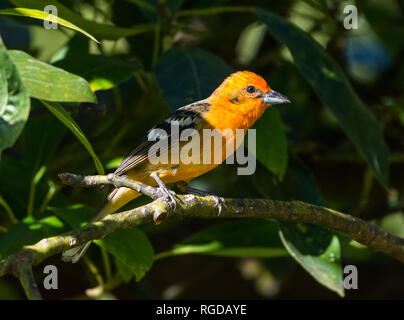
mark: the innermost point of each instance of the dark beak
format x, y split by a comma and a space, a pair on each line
274, 97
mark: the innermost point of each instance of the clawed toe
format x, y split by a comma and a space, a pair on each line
165, 193
219, 202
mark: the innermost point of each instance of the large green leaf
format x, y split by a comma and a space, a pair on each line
42, 15
394, 223
102, 72
317, 250
271, 146
44, 81
29, 231
130, 246
99, 30
334, 90
188, 75
14, 101
69, 122
233, 239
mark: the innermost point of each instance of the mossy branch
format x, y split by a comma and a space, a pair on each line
188, 207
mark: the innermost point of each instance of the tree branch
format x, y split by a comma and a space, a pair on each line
28, 281
191, 206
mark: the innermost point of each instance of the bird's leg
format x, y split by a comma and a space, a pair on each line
219, 201
169, 193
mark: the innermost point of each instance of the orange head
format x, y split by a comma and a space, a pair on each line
246, 93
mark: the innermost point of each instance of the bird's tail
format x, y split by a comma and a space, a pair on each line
74, 254
116, 199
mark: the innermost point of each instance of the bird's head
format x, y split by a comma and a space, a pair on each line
247, 92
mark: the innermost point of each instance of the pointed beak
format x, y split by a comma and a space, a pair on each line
274, 97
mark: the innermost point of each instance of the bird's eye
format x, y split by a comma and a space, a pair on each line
251, 89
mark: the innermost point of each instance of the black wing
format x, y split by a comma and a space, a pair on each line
186, 118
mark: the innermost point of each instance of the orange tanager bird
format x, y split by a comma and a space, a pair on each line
236, 104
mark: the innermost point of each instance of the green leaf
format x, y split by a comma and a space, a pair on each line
317, 251
188, 75
29, 231
99, 30
14, 101
334, 90
394, 223
42, 15
271, 145
69, 122
102, 72
249, 42
233, 239
124, 271
130, 246
44, 81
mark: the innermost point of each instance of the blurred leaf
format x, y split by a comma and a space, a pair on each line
271, 146
174, 5
102, 72
14, 101
99, 30
29, 231
210, 11
317, 251
149, 8
69, 122
233, 239
188, 75
42, 15
147, 5
249, 42
44, 81
393, 223
208, 3
334, 90
129, 246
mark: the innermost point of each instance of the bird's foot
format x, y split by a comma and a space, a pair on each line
168, 195
219, 202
